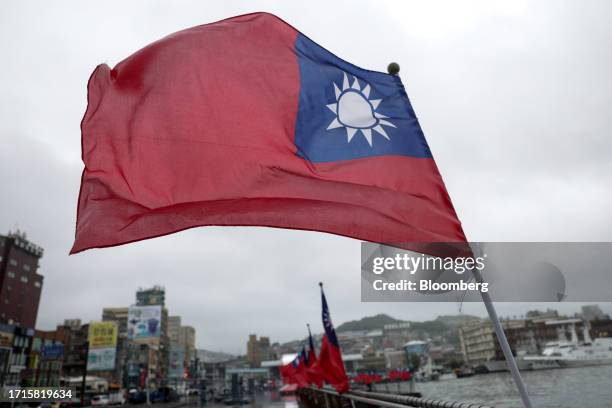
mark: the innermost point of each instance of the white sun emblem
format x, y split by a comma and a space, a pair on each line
356, 112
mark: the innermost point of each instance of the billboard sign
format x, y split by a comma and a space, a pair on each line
52, 351
102, 335
6, 339
101, 359
144, 322
177, 362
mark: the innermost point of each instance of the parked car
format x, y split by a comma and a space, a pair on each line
116, 398
100, 400
49, 405
157, 396
137, 397
164, 394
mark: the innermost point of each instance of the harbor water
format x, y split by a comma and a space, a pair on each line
584, 387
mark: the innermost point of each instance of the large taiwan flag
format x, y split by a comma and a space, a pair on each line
248, 122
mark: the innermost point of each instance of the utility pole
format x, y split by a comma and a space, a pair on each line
197, 378
84, 380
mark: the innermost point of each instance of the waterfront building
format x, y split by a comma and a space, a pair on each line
601, 328
525, 336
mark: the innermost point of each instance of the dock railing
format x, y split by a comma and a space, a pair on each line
328, 398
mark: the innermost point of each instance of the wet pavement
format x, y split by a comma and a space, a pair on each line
261, 400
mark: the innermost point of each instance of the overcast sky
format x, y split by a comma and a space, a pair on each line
514, 98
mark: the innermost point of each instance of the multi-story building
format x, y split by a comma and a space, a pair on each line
46, 358
75, 348
151, 297
118, 315
479, 343
15, 347
158, 344
174, 326
182, 347
186, 338
395, 335
211, 367
142, 366
394, 359
253, 356
259, 350
601, 328
264, 348
20, 283
177, 367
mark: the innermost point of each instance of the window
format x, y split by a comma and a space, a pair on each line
24, 279
26, 267
13, 262
10, 274
37, 284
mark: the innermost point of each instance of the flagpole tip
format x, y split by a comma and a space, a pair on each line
321, 284
393, 68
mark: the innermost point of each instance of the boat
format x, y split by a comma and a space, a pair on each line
463, 372
563, 353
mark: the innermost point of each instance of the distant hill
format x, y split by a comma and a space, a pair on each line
214, 356
445, 326
367, 323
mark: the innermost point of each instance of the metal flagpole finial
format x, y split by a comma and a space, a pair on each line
321, 285
393, 68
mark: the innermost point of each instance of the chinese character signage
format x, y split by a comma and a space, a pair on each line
102, 346
102, 335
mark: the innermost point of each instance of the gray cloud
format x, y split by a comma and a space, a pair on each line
513, 96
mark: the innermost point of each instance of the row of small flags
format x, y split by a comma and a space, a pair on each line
373, 378
307, 370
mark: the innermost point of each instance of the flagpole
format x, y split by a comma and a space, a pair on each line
503, 342
394, 69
